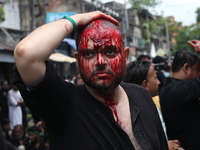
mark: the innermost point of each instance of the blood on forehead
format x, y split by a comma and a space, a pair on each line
103, 34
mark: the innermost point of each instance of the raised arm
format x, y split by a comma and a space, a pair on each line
195, 44
32, 52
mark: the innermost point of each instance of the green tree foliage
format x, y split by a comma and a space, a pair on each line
146, 32
1, 13
143, 4
185, 34
148, 26
198, 14
152, 26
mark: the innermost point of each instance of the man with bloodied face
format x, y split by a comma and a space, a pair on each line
101, 56
103, 113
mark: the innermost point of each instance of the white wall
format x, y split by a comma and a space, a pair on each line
12, 15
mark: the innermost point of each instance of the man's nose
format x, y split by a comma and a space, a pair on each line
100, 59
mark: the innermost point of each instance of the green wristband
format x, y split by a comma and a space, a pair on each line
71, 20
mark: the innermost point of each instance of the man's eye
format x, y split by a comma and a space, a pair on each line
88, 54
110, 52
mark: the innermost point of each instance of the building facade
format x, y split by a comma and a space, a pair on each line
23, 16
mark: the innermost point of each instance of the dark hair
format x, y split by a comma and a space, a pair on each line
107, 24
2, 82
158, 59
20, 126
136, 72
142, 56
5, 121
181, 57
33, 129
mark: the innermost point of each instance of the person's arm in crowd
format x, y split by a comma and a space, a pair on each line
195, 44
32, 52
20, 102
174, 145
11, 100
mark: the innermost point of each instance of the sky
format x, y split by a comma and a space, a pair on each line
182, 10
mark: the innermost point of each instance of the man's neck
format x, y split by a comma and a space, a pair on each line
178, 75
106, 97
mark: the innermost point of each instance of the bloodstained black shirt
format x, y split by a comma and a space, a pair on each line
180, 105
75, 120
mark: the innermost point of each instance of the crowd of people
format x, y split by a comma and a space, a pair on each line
112, 104
17, 135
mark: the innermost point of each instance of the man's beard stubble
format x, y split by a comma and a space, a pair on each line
103, 88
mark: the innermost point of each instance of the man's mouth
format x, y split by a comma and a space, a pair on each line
102, 74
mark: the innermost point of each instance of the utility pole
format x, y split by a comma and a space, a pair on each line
126, 23
32, 21
168, 43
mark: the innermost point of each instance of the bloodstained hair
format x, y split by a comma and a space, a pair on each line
106, 24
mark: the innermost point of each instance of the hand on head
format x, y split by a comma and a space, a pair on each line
195, 44
85, 18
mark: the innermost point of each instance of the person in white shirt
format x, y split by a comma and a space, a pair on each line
14, 103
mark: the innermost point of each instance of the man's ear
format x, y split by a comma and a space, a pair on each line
144, 84
126, 54
186, 67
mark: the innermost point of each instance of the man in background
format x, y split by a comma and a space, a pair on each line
180, 103
143, 74
19, 137
36, 141
3, 100
14, 103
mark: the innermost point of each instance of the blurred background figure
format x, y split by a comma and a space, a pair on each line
21, 147
144, 58
37, 142
46, 142
14, 103
6, 136
3, 100
6, 129
78, 80
42, 127
144, 74
161, 68
179, 99
19, 137
161, 64
1, 138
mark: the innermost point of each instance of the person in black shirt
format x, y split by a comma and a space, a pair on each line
179, 99
19, 137
36, 141
101, 114
1, 138
143, 73
3, 101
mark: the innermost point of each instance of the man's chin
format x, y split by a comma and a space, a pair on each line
101, 87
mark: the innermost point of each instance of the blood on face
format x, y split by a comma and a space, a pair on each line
101, 55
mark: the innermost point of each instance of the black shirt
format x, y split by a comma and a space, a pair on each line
3, 105
1, 138
75, 120
15, 142
180, 105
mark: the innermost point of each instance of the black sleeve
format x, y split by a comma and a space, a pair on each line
49, 98
188, 90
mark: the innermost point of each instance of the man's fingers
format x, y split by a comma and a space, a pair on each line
105, 16
189, 42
